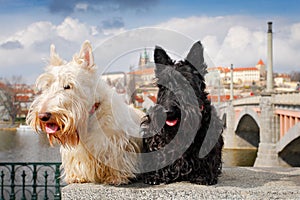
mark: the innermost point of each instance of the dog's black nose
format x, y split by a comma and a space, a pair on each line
44, 116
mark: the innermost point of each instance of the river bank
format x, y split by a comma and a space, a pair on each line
7, 126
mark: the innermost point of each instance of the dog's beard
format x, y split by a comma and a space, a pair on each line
173, 118
162, 121
62, 129
64, 125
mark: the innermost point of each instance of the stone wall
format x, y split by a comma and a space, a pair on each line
235, 183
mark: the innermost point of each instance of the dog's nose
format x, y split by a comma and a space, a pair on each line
44, 116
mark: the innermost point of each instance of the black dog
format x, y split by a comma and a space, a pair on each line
182, 133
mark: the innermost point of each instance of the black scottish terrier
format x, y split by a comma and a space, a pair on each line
182, 133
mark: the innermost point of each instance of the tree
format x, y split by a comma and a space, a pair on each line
9, 102
295, 76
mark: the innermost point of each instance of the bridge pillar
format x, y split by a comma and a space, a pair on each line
267, 155
230, 141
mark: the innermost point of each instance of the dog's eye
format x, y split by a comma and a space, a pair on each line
67, 87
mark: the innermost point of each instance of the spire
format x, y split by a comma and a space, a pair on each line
145, 54
140, 60
144, 58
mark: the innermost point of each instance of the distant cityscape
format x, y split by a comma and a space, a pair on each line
139, 88
247, 81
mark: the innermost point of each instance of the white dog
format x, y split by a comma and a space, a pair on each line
97, 130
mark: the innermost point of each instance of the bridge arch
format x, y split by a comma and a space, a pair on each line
250, 112
288, 147
248, 128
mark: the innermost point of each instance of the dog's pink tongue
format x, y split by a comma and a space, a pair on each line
171, 122
51, 128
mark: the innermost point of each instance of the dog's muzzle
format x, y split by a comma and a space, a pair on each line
44, 116
50, 127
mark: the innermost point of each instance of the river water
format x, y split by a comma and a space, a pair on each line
27, 146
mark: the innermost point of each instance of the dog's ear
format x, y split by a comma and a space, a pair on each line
86, 58
196, 58
161, 57
55, 60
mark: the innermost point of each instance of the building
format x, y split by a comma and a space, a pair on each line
246, 75
281, 79
143, 76
141, 81
19, 95
113, 76
241, 75
117, 80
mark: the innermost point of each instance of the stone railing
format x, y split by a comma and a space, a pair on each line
292, 99
254, 100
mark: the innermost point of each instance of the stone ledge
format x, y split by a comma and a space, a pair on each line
235, 183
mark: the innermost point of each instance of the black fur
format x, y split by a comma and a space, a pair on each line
191, 149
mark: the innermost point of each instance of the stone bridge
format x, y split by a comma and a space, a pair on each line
269, 122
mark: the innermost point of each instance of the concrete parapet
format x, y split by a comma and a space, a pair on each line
235, 183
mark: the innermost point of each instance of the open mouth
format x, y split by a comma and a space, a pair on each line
51, 128
171, 122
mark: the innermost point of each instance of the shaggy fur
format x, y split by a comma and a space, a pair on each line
182, 128
95, 128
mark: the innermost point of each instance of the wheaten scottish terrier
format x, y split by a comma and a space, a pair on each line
97, 130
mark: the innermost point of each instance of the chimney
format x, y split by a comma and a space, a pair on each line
231, 82
270, 59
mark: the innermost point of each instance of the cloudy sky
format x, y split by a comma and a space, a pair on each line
232, 31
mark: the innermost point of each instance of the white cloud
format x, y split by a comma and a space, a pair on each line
295, 34
211, 44
35, 41
242, 40
73, 30
241, 47
81, 7
38, 31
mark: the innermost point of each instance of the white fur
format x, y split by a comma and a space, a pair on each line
97, 147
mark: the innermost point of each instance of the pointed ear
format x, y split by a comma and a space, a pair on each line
195, 57
161, 57
86, 57
55, 60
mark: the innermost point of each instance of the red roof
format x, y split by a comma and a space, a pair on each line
245, 69
226, 70
139, 99
260, 62
143, 71
153, 98
221, 69
283, 76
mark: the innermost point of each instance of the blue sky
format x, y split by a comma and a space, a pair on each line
232, 31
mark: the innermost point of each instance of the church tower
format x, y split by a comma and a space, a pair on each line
144, 59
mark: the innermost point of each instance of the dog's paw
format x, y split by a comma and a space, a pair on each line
204, 180
152, 180
77, 180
